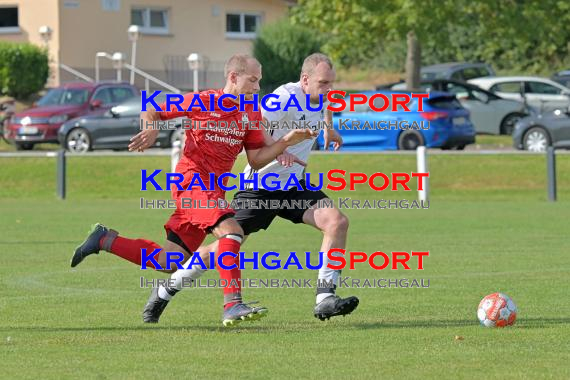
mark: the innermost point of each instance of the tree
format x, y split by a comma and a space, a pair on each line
282, 47
515, 35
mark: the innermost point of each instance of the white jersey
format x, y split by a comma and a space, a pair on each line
285, 119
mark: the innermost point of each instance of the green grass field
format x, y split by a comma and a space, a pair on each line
483, 142
489, 228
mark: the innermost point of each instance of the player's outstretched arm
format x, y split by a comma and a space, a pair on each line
285, 159
145, 138
330, 135
258, 158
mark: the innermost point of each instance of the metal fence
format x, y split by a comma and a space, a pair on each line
421, 157
176, 72
179, 74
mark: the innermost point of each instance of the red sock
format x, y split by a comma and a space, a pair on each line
130, 249
232, 292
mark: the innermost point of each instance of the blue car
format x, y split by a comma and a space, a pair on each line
443, 123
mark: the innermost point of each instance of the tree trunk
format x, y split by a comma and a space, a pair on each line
413, 62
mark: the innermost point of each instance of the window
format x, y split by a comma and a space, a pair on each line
111, 5
120, 94
445, 103
542, 88
471, 73
507, 87
484, 72
481, 96
150, 20
60, 96
242, 25
9, 20
458, 76
461, 92
378, 103
104, 95
360, 108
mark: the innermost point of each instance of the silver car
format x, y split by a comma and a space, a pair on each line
489, 113
541, 93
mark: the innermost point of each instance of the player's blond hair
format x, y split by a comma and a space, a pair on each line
311, 62
238, 63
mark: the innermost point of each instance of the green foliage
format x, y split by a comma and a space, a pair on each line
349, 28
513, 35
23, 69
282, 47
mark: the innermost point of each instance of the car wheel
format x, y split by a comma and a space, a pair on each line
508, 123
460, 147
410, 140
536, 139
24, 146
78, 141
176, 136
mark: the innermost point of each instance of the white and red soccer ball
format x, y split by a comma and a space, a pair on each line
497, 310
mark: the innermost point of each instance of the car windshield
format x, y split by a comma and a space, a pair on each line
68, 96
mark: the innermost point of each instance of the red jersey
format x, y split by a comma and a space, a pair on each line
211, 148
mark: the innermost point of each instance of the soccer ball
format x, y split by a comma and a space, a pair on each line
497, 310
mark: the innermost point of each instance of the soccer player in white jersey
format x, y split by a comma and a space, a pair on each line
317, 78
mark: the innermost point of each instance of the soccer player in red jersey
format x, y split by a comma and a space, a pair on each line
205, 151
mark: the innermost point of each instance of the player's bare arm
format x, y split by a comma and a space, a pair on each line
285, 159
258, 158
330, 135
145, 138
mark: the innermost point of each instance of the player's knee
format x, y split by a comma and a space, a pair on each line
234, 229
343, 222
161, 260
237, 230
336, 223
228, 227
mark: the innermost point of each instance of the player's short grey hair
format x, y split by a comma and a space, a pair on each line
312, 61
238, 64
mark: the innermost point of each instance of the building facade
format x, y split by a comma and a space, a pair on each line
74, 31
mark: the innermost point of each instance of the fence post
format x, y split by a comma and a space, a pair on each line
175, 155
61, 166
551, 170
421, 154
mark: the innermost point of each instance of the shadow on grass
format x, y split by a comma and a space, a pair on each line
522, 323
296, 327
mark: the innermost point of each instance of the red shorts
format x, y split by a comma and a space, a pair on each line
196, 211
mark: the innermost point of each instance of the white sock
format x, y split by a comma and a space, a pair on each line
162, 293
322, 296
328, 275
180, 277
186, 276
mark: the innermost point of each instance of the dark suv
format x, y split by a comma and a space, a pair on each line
562, 77
459, 71
41, 123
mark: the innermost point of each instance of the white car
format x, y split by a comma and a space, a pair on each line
541, 93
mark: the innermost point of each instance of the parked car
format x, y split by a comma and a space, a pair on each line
489, 113
536, 132
540, 93
41, 123
449, 125
460, 71
562, 77
111, 129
